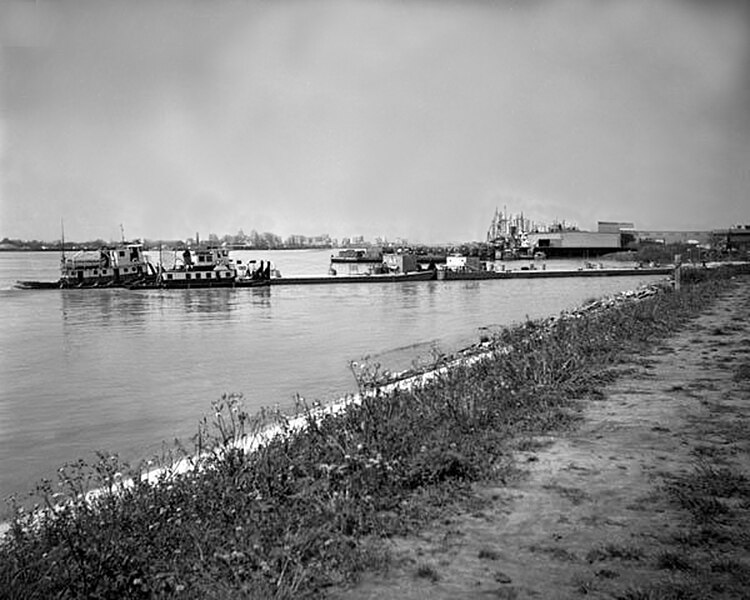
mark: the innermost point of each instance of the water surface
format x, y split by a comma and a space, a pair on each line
122, 371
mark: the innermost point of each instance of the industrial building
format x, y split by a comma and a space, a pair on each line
585, 244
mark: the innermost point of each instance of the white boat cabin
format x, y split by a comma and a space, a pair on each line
122, 263
201, 264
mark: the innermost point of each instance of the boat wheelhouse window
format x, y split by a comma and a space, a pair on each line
187, 275
197, 275
208, 275
122, 253
201, 258
96, 272
169, 275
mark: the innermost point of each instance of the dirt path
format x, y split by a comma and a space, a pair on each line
636, 503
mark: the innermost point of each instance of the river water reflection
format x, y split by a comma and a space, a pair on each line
121, 371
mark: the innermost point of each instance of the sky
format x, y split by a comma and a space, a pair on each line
395, 118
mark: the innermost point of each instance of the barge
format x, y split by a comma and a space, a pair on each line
448, 275
376, 278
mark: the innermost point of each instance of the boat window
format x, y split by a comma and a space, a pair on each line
197, 275
201, 258
96, 272
169, 275
208, 275
187, 275
122, 253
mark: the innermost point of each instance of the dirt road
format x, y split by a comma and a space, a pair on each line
648, 498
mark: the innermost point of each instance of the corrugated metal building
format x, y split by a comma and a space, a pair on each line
575, 243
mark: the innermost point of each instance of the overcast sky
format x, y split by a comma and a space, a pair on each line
396, 118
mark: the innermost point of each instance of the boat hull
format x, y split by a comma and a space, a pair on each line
193, 284
62, 284
334, 279
447, 275
38, 285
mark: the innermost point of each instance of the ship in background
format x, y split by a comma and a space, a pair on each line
508, 234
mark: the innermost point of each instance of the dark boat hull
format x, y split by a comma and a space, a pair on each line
193, 284
38, 285
61, 284
333, 279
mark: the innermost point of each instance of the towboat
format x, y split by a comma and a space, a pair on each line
117, 266
208, 267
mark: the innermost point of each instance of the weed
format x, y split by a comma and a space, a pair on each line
742, 372
556, 552
612, 550
584, 584
727, 565
488, 554
427, 571
673, 561
607, 574
702, 489
575, 495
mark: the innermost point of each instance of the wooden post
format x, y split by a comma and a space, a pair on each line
677, 270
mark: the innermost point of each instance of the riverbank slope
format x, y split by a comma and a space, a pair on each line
648, 498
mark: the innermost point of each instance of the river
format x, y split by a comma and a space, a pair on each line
122, 371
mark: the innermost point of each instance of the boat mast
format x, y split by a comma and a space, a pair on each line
62, 241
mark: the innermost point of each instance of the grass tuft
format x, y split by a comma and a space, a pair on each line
489, 554
428, 571
615, 551
674, 561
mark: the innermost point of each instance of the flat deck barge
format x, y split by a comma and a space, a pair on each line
545, 273
332, 279
446, 275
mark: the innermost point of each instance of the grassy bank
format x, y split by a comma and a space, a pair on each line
311, 509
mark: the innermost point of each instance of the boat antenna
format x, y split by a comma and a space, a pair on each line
62, 240
122, 233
